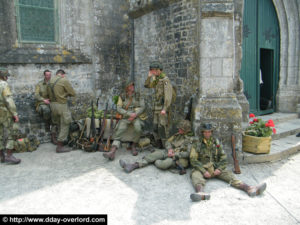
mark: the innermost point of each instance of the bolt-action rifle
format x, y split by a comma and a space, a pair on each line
235, 161
100, 144
111, 130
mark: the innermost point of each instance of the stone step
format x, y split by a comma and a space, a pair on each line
277, 118
280, 149
284, 129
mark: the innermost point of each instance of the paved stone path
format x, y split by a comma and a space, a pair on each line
86, 183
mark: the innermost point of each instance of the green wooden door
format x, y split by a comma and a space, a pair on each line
260, 62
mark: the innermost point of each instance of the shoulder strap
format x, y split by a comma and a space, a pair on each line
52, 87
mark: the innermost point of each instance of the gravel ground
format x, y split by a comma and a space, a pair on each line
86, 183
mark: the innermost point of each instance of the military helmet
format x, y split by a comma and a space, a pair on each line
4, 72
206, 126
185, 125
127, 83
155, 65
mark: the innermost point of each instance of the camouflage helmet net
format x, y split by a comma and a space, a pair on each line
4, 72
185, 125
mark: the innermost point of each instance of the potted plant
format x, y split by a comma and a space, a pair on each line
257, 136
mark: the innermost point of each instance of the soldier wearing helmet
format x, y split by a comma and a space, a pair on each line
208, 160
131, 106
176, 154
8, 116
162, 102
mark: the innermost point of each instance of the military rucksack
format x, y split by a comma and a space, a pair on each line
27, 144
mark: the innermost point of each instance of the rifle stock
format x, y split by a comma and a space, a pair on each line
107, 146
237, 169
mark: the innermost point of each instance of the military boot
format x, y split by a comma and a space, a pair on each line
253, 190
2, 156
128, 167
53, 139
61, 148
199, 195
111, 154
9, 158
134, 152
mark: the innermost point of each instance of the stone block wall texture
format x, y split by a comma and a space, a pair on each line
169, 34
93, 48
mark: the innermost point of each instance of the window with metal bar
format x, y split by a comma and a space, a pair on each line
37, 20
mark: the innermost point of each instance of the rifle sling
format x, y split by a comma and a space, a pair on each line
52, 88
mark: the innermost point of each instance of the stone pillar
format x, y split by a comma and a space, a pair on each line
218, 102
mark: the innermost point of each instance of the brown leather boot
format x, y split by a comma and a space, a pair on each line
2, 156
199, 195
128, 167
253, 190
53, 139
134, 152
61, 148
111, 154
9, 158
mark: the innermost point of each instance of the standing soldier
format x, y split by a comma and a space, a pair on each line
209, 161
59, 89
132, 108
162, 101
42, 102
8, 116
176, 154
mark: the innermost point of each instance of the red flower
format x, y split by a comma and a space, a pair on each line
267, 124
251, 115
274, 131
255, 120
271, 123
251, 122
218, 146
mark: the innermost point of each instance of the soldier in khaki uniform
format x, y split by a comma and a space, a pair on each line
162, 101
209, 161
131, 107
59, 89
8, 116
42, 101
176, 154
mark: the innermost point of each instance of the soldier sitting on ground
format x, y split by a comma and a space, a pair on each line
176, 154
8, 116
208, 160
132, 108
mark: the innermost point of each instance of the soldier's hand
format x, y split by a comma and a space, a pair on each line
207, 174
163, 112
217, 172
150, 73
171, 153
47, 101
16, 119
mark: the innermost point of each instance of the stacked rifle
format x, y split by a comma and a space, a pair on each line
95, 140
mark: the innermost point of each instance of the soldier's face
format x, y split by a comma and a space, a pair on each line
207, 134
47, 75
181, 131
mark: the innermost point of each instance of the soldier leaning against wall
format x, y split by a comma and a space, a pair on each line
42, 101
162, 102
208, 160
8, 116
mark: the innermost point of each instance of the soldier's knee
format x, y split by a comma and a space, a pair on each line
163, 164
